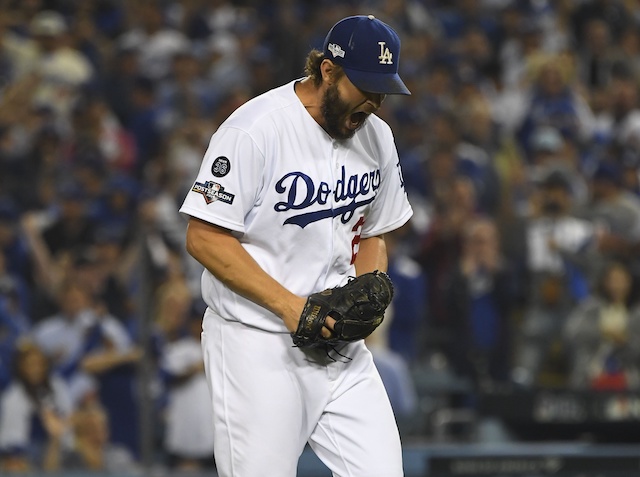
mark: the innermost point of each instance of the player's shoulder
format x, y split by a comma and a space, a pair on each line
379, 125
263, 110
377, 136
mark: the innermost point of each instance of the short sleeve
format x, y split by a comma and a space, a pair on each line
390, 209
229, 180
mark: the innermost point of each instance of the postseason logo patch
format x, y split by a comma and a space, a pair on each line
212, 191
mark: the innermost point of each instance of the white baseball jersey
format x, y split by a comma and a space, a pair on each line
298, 201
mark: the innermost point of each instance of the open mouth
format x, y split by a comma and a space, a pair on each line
356, 120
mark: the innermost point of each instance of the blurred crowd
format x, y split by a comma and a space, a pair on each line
520, 149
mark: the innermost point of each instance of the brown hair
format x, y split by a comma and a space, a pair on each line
312, 67
24, 348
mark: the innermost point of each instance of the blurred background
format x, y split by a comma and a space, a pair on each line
513, 343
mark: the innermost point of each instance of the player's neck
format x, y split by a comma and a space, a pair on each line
311, 98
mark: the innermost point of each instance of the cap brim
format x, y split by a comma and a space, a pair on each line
380, 83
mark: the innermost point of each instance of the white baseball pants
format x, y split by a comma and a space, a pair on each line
270, 398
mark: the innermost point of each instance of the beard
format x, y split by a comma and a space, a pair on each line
335, 113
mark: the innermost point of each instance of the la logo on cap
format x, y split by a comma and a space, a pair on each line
386, 56
368, 50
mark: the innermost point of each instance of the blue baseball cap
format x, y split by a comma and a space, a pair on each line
368, 51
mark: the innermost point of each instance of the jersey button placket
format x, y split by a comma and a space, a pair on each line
336, 222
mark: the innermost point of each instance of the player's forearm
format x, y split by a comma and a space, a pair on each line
372, 255
223, 255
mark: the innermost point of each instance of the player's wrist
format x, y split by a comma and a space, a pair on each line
288, 308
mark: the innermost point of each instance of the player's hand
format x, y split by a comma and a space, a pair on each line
292, 317
344, 314
327, 329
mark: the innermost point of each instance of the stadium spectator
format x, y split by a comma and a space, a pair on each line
481, 296
596, 56
118, 82
96, 356
395, 373
185, 93
93, 449
61, 336
554, 101
14, 321
550, 151
144, 122
72, 230
558, 245
17, 55
602, 335
34, 413
155, 40
188, 438
110, 358
614, 13
16, 261
523, 41
620, 123
405, 334
616, 210
62, 69
99, 137
441, 244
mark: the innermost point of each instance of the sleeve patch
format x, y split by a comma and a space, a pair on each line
212, 191
221, 166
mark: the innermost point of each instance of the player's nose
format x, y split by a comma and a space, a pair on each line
375, 99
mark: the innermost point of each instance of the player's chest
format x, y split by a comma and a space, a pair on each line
327, 177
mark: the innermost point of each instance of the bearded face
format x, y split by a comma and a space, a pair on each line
334, 111
341, 121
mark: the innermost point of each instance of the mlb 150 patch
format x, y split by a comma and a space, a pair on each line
212, 191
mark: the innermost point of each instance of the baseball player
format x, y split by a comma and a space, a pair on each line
295, 193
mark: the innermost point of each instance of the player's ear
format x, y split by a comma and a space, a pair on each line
328, 71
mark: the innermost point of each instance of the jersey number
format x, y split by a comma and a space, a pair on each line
355, 243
